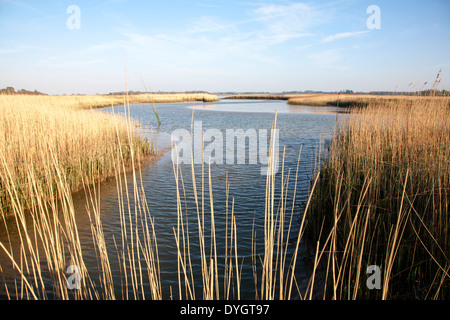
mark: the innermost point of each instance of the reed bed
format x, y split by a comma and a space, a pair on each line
101, 101
341, 100
48, 150
106, 100
35, 129
354, 100
383, 199
329, 100
380, 198
172, 97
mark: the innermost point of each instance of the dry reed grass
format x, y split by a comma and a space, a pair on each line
355, 100
172, 97
49, 150
35, 128
107, 100
383, 200
100, 101
343, 100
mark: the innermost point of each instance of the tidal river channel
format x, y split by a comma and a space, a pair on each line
304, 128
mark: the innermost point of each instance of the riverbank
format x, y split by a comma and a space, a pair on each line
334, 100
382, 202
358, 100
101, 101
108, 100
49, 138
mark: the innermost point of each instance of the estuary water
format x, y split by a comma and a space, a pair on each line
237, 164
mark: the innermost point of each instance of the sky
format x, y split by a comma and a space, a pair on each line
89, 47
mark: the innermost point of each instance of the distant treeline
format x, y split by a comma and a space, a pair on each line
429, 92
11, 90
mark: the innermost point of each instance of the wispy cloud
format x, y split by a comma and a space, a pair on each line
343, 35
286, 19
210, 38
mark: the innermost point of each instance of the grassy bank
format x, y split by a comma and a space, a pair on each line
108, 100
258, 97
383, 199
173, 97
311, 99
320, 100
49, 148
356, 100
39, 131
343, 100
101, 101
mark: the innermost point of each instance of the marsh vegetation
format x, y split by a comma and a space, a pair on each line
383, 199
380, 197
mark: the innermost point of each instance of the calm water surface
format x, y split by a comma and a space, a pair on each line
305, 128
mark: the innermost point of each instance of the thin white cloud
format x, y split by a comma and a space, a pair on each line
216, 41
210, 38
332, 38
281, 19
266, 26
343, 35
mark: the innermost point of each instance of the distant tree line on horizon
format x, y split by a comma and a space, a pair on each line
11, 90
428, 92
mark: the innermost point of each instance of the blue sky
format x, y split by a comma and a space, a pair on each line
247, 45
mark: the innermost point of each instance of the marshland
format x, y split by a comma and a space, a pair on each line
224, 150
102, 190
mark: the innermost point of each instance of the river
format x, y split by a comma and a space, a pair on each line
303, 128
